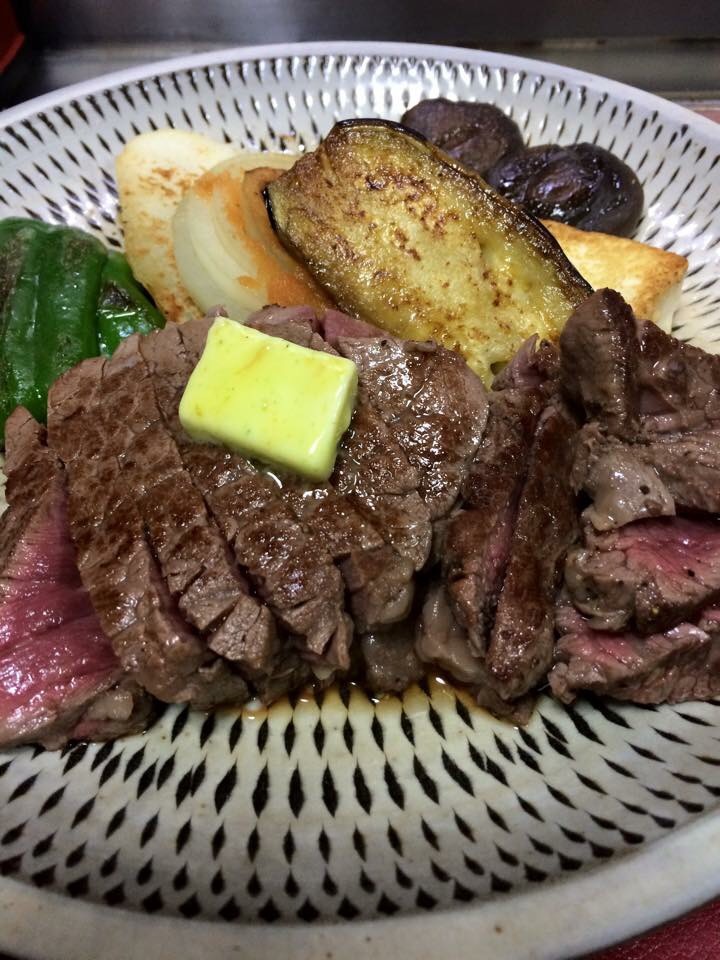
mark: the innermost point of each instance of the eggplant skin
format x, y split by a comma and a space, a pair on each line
401, 234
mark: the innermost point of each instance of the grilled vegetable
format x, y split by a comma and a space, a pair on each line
63, 297
21, 257
583, 185
154, 172
122, 308
226, 252
476, 134
68, 285
406, 237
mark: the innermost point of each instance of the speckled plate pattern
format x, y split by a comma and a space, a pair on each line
334, 825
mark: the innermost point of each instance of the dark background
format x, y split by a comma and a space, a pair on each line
669, 46
265, 21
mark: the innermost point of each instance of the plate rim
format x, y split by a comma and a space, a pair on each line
598, 915
599, 911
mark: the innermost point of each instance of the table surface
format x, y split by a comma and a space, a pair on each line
695, 936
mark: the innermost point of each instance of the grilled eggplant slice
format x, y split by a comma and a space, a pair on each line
401, 234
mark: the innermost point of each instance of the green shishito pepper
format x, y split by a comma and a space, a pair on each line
123, 307
63, 297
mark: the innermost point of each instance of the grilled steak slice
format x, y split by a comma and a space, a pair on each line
296, 324
373, 475
193, 555
688, 465
521, 644
623, 487
333, 324
56, 665
247, 635
287, 565
432, 402
90, 417
518, 712
477, 538
681, 664
653, 573
679, 383
599, 361
481, 539
370, 515
389, 661
372, 470
441, 641
379, 580
678, 470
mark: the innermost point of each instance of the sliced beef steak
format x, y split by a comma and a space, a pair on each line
370, 516
623, 486
653, 574
374, 475
477, 538
58, 671
521, 644
379, 580
673, 470
333, 324
288, 566
194, 557
296, 324
442, 642
90, 417
122, 710
679, 383
517, 504
682, 663
599, 361
432, 402
689, 466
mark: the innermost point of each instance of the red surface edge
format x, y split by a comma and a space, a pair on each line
696, 936
11, 38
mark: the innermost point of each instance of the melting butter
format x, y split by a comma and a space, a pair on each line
270, 399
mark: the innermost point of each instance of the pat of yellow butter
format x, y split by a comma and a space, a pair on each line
269, 399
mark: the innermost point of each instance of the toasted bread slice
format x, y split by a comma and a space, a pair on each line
648, 278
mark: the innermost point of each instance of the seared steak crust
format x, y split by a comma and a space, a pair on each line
432, 402
58, 671
287, 566
477, 537
89, 409
599, 361
521, 645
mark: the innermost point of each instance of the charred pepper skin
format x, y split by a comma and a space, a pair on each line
68, 290
22, 252
63, 297
123, 306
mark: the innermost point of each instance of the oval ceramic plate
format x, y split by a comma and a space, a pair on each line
334, 825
